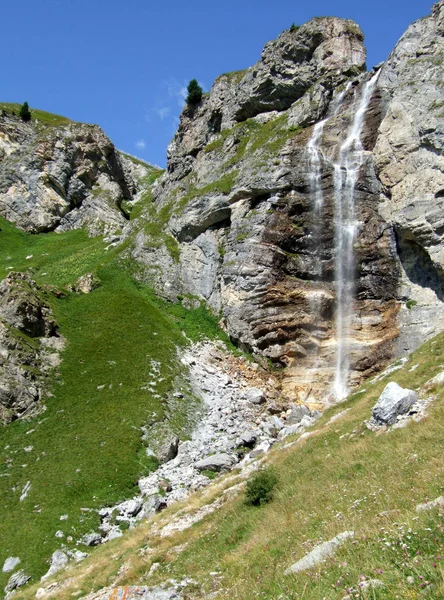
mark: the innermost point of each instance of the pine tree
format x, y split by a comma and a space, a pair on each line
25, 113
194, 92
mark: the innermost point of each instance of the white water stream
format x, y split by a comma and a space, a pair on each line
346, 172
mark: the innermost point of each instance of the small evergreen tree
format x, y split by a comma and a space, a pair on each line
194, 92
25, 113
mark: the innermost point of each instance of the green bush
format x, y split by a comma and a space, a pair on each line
260, 487
25, 113
194, 92
294, 27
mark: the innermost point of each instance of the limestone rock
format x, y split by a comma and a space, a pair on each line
92, 539
10, 564
319, 553
59, 560
297, 413
216, 462
437, 503
17, 580
61, 177
135, 593
168, 449
255, 396
393, 401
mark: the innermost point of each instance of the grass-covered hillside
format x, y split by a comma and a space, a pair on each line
41, 116
342, 477
119, 365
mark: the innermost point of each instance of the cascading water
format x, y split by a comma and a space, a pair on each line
346, 172
316, 159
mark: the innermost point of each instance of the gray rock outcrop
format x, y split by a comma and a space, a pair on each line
393, 402
29, 346
61, 177
17, 580
237, 200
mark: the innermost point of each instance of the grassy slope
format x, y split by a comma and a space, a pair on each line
343, 477
42, 116
87, 448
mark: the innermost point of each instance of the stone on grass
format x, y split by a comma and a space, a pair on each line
319, 553
10, 564
216, 462
17, 580
437, 503
393, 401
59, 560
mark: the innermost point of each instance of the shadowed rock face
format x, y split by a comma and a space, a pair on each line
240, 202
60, 177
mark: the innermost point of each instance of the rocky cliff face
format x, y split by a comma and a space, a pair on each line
61, 177
304, 212
239, 201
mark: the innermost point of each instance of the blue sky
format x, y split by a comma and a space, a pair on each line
124, 64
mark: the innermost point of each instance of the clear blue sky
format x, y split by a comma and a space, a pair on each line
123, 63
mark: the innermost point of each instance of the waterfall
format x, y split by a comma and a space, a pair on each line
346, 172
316, 159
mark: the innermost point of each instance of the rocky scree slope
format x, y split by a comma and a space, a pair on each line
237, 201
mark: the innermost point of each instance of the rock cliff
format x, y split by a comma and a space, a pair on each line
238, 200
61, 176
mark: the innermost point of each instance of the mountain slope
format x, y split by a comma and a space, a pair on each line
340, 477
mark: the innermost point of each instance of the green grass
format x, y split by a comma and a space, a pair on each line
265, 139
42, 116
87, 448
343, 477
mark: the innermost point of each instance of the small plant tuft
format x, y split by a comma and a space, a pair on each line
260, 487
294, 27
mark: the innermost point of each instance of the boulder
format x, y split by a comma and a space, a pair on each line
130, 508
168, 449
92, 539
296, 414
17, 580
255, 396
59, 560
393, 401
247, 439
319, 553
10, 564
216, 462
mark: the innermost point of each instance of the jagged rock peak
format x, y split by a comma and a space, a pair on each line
325, 50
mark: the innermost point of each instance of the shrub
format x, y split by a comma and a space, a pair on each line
25, 113
294, 27
194, 92
260, 487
